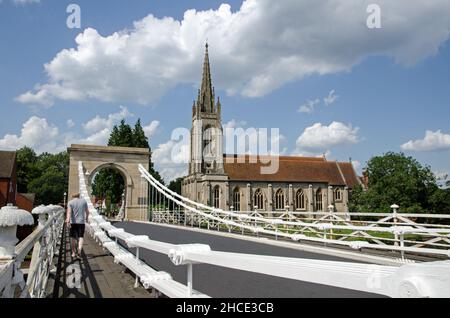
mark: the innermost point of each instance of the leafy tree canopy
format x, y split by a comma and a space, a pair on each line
175, 185
109, 184
45, 175
396, 178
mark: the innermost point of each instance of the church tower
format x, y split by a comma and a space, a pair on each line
207, 132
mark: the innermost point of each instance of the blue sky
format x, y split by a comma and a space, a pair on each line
391, 85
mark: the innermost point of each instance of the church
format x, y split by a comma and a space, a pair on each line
235, 182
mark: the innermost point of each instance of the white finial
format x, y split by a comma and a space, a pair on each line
10, 218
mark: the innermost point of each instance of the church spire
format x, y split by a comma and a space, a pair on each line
206, 92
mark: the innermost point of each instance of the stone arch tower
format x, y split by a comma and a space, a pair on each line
125, 160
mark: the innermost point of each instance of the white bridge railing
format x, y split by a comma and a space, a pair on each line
402, 233
42, 243
412, 280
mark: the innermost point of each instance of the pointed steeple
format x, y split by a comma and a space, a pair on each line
219, 107
206, 92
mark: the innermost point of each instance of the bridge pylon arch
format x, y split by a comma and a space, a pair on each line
124, 160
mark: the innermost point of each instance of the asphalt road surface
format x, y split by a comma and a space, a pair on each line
220, 282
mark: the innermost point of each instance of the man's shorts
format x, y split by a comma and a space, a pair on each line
77, 231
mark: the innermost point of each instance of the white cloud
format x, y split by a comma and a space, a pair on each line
36, 133
43, 136
309, 106
100, 123
25, 2
70, 123
151, 129
97, 138
294, 39
433, 141
233, 124
331, 98
320, 137
171, 159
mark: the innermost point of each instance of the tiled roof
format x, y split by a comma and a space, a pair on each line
7, 159
351, 178
29, 196
292, 169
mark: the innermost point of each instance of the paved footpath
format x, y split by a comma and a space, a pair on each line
222, 282
100, 276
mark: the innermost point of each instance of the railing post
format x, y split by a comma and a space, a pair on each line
231, 218
189, 279
287, 208
136, 282
331, 210
402, 245
10, 218
256, 213
34, 270
395, 208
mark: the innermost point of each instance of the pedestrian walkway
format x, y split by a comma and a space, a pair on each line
100, 276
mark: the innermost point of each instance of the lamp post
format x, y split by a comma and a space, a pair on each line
65, 199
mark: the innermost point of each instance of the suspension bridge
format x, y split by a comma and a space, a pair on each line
178, 248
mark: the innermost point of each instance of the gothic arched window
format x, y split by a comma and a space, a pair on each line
319, 200
300, 202
338, 194
258, 199
279, 200
237, 199
216, 197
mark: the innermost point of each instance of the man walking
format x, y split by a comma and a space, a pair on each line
76, 217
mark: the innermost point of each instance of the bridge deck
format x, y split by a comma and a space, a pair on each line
222, 282
100, 276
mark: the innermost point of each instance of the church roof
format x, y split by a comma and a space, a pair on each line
292, 169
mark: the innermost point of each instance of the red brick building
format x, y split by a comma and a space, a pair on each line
8, 183
8, 178
8, 189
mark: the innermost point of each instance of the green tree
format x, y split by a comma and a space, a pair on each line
121, 136
110, 183
396, 178
140, 140
50, 177
114, 136
440, 201
26, 168
175, 185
